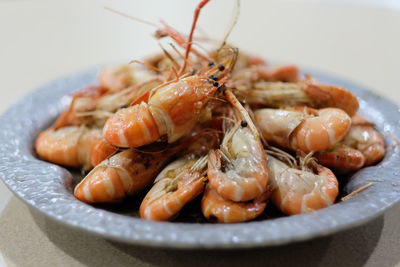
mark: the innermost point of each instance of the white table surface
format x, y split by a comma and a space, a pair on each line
42, 40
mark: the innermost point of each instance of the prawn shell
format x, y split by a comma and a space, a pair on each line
217, 209
297, 191
126, 173
70, 146
101, 151
276, 126
332, 96
321, 132
177, 106
54, 146
131, 127
167, 205
367, 140
342, 159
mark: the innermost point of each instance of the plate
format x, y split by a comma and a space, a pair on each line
47, 188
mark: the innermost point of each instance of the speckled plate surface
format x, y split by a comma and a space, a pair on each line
48, 188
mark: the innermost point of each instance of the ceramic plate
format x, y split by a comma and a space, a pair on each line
48, 188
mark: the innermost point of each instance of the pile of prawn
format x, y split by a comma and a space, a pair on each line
219, 126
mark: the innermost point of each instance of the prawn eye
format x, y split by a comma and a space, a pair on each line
215, 84
213, 77
211, 64
221, 67
243, 123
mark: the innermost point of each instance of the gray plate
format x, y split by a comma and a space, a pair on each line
48, 188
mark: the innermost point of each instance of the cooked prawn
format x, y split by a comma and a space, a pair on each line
217, 209
363, 137
244, 176
177, 184
125, 173
301, 188
362, 146
130, 171
69, 146
306, 129
303, 93
173, 110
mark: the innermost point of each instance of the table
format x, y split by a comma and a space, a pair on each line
42, 40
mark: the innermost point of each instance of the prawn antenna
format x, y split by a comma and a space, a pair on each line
169, 56
131, 17
233, 23
189, 44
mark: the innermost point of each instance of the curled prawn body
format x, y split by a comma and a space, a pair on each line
69, 146
179, 183
362, 146
125, 173
363, 137
217, 209
301, 189
304, 129
172, 110
244, 175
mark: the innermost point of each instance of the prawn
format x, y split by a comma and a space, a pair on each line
130, 171
304, 129
217, 209
362, 146
173, 110
177, 184
303, 93
244, 176
363, 137
70, 146
125, 173
300, 188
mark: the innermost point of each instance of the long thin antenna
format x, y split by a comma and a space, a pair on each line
131, 17
234, 21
